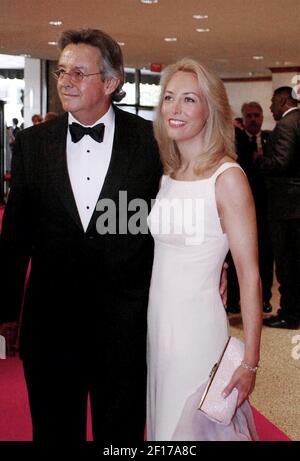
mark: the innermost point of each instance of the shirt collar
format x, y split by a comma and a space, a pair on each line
289, 110
251, 135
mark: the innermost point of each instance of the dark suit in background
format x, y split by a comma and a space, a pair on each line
246, 149
281, 167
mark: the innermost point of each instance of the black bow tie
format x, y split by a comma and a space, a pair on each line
77, 131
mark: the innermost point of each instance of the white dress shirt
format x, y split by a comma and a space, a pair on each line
88, 162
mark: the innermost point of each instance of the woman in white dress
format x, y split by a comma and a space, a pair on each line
203, 208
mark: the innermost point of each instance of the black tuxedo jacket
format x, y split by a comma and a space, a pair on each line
245, 154
281, 167
245, 149
86, 291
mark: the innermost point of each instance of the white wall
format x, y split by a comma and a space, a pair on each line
32, 92
284, 79
10, 90
240, 92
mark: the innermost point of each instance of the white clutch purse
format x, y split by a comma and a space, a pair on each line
212, 403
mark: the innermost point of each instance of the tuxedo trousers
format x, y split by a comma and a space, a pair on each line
286, 247
58, 391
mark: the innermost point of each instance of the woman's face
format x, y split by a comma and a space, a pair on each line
184, 109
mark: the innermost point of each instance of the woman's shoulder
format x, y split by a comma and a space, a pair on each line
231, 181
227, 159
228, 165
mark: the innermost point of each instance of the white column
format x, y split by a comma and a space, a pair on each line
32, 92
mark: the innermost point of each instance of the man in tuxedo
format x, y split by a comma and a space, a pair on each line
83, 326
250, 142
281, 167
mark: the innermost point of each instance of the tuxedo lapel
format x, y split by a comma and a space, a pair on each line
55, 152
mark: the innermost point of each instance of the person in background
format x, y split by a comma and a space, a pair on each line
9, 146
50, 116
249, 143
36, 119
11, 133
15, 127
281, 168
187, 322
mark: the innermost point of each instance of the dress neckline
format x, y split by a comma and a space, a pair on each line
186, 181
202, 179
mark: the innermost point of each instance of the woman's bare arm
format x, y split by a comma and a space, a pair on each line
238, 218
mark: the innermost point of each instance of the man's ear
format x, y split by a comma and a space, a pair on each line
110, 85
283, 100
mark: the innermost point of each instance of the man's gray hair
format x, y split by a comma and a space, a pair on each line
110, 50
251, 104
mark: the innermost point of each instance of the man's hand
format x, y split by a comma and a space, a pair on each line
223, 284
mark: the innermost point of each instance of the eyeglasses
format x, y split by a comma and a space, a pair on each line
75, 75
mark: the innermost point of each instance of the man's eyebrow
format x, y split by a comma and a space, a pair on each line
73, 68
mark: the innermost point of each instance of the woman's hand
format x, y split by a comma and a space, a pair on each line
244, 381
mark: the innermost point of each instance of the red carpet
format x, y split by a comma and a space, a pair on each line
267, 431
15, 422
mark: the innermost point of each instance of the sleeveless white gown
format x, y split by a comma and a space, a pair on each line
187, 322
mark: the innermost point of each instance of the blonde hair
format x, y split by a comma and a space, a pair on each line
218, 139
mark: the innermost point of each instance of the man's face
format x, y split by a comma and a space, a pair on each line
253, 119
89, 99
277, 106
